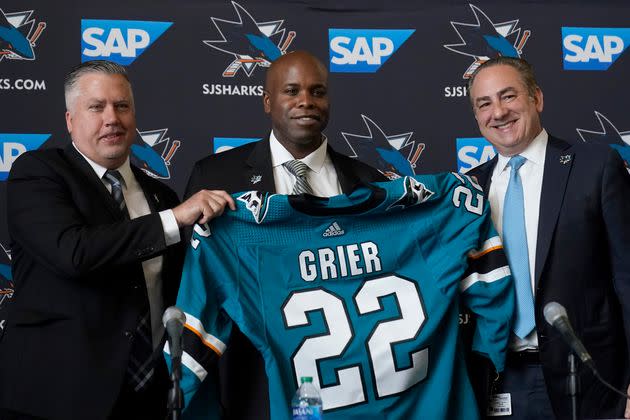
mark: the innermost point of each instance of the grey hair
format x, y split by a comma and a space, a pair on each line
524, 69
95, 66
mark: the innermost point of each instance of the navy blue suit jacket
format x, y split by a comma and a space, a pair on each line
583, 263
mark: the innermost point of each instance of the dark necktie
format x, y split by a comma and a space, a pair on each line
140, 365
298, 169
115, 180
515, 240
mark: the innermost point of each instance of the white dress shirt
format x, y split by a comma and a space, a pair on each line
321, 176
531, 174
137, 206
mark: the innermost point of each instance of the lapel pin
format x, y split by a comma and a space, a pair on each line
255, 179
564, 159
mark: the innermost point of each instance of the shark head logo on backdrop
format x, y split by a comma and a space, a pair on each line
152, 152
609, 134
18, 35
485, 39
393, 155
250, 43
6, 279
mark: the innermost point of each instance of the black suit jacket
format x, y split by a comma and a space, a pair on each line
583, 262
79, 285
243, 380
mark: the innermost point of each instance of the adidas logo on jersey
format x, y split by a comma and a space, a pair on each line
333, 230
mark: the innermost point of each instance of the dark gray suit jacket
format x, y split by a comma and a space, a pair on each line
79, 285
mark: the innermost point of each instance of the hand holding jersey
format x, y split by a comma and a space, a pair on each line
314, 283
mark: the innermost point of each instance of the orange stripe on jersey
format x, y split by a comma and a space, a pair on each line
480, 254
206, 343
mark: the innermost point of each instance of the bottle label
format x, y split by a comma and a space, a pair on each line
307, 413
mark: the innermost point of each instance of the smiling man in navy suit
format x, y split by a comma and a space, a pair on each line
96, 258
562, 211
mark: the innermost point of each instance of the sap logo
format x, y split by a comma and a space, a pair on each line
593, 48
363, 50
473, 151
13, 145
121, 41
221, 144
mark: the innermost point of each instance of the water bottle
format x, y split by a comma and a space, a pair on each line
306, 403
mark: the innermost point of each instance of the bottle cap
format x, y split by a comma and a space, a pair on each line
306, 379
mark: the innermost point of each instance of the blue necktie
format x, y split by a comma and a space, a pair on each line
515, 241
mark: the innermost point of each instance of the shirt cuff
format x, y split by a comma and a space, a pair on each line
169, 224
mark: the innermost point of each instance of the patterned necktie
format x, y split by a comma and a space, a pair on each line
298, 169
115, 180
140, 365
515, 240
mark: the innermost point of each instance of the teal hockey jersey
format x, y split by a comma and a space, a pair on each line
360, 292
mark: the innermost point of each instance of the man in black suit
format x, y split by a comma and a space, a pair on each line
296, 98
574, 201
96, 258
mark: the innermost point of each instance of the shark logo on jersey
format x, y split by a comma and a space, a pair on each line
257, 203
6, 279
251, 43
152, 152
484, 40
415, 193
620, 141
394, 155
18, 35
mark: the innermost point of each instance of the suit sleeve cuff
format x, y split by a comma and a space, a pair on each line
169, 224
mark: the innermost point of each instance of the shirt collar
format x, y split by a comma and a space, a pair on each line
280, 155
124, 169
534, 152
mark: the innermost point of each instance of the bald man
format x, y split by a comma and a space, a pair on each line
296, 98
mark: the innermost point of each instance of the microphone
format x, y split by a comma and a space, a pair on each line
556, 316
174, 320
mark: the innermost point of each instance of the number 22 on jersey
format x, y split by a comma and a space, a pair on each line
389, 380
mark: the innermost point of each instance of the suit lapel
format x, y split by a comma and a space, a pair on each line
484, 173
88, 175
347, 177
259, 175
558, 164
153, 196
